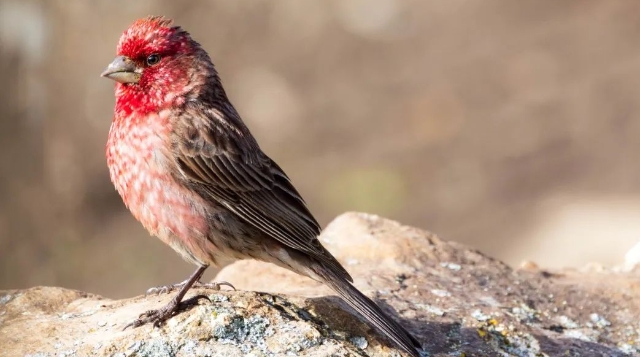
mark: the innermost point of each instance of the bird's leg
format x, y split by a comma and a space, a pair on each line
163, 314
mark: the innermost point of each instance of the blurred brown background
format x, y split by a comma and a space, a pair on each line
509, 126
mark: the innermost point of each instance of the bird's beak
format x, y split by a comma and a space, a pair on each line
122, 70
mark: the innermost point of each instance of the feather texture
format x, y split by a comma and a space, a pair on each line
189, 169
244, 180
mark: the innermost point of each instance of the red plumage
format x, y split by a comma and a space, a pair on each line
190, 171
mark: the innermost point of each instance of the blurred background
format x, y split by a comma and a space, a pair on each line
509, 126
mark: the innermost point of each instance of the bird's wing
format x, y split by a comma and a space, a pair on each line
221, 156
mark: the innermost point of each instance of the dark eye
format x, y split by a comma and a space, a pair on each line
153, 59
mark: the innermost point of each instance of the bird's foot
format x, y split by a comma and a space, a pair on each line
158, 317
214, 285
163, 289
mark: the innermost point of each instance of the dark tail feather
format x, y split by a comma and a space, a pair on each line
370, 311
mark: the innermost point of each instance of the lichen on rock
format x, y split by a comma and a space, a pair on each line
455, 299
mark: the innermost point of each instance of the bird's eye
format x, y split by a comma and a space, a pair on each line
153, 59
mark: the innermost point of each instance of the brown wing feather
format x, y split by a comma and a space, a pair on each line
230, 167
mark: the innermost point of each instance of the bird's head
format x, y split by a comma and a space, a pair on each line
156, 66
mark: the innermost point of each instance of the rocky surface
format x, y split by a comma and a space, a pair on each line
456, 300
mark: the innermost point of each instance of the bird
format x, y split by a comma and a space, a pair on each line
191, 172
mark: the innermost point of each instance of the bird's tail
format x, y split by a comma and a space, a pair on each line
368, 309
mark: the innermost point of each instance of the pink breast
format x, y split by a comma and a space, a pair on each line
140, 166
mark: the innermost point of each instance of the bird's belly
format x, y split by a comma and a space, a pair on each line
167, 209
163, 206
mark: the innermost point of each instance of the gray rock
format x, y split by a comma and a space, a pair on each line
489, 309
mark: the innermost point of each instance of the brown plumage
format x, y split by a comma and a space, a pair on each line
191, 172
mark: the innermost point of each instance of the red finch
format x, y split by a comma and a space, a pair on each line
191, 172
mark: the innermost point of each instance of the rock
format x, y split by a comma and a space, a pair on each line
632, 258
456, 300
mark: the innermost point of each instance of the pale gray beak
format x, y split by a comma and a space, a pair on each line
122, 70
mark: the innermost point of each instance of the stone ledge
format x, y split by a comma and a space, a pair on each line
456, 300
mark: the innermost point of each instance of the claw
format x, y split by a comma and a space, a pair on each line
215, 285
164, 289
158, 317
143, 318
157, 290
130, 324
194, 300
